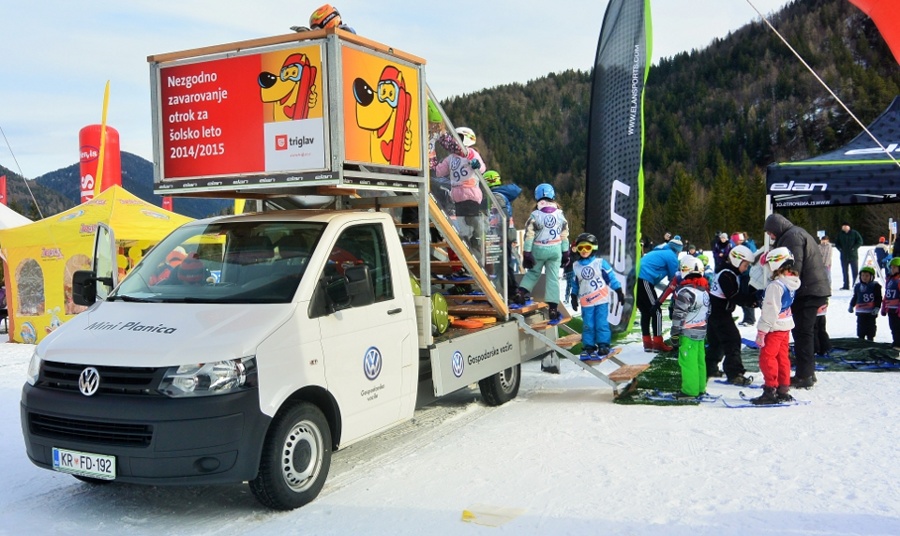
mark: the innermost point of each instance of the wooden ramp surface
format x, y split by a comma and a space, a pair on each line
627, 372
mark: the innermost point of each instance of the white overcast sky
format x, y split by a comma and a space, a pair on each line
57, 55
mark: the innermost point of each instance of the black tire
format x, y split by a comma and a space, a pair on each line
93, 481
295, 459
501, 387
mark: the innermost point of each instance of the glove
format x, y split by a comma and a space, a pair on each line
528, 260
656, 307
850, 309
874, 312
883, 311
573, 299
475, 164
621, 295
760, 339
566, 260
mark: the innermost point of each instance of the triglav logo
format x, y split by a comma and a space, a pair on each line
281, 142
457, 363
372, 363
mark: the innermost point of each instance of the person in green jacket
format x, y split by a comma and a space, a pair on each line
848, 243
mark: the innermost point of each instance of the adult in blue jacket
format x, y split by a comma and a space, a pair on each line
655, 265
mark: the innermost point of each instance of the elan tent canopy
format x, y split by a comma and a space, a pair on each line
858, 173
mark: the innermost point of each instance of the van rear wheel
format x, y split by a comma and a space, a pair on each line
501, 387
295, 459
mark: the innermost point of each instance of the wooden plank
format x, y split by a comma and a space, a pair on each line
544, 324
569, 340
464, 297
627, 372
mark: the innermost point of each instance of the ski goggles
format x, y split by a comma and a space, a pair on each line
585, 248
292, 72
389, 92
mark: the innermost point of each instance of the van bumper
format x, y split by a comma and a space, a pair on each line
156, 440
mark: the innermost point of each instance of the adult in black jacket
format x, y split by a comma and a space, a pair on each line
813, 292
848, 243
722, 335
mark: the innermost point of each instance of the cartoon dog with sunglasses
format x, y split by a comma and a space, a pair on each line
292, 91
384, 111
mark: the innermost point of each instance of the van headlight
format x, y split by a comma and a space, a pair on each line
206, 379
34, 369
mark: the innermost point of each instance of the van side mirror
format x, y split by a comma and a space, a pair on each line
84, 287
353, 289
359, 285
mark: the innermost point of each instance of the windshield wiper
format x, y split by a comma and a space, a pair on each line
127, 298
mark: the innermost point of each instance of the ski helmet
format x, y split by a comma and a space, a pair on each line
587, 238
691, 265
544, 191
704, 259
325, 17
895, 262
492, 178
740, 253
779, 258
467, 135
868, 269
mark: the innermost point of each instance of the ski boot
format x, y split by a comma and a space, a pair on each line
740, 380
803, 383
521, 296
783, 393
554, 314
602, 351
588, 353
659, 345
648, 343
767, 398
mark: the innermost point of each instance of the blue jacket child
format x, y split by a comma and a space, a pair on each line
594, 278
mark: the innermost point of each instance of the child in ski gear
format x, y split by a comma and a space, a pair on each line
655, 265
723, 335
546, 248
458, 169
774, 328
866, 302
505, 194
825, 248
890, 306
594, 277
882, 253
821, 339
689, 316
720, 251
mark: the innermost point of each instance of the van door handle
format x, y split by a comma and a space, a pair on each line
394, 311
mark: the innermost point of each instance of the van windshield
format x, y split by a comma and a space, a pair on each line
227, 262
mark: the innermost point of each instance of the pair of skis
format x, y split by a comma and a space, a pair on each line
743, 402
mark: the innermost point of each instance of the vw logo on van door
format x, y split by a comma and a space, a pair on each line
457, 363
89, 381
372, 363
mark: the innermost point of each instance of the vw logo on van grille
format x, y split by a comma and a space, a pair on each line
89, 381
372, 363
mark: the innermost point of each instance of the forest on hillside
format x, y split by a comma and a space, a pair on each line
714, 120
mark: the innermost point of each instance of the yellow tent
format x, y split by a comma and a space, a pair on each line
41, 257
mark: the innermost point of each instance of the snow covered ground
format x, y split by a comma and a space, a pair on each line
559, 459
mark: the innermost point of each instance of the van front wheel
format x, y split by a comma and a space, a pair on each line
295, 459
501, 387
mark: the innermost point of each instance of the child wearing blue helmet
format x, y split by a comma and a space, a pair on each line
546, 248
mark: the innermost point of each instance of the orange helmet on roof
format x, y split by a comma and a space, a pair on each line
325, 16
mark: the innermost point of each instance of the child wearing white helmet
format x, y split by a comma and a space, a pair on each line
723, 335
690, 313
459, 169
774, 328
